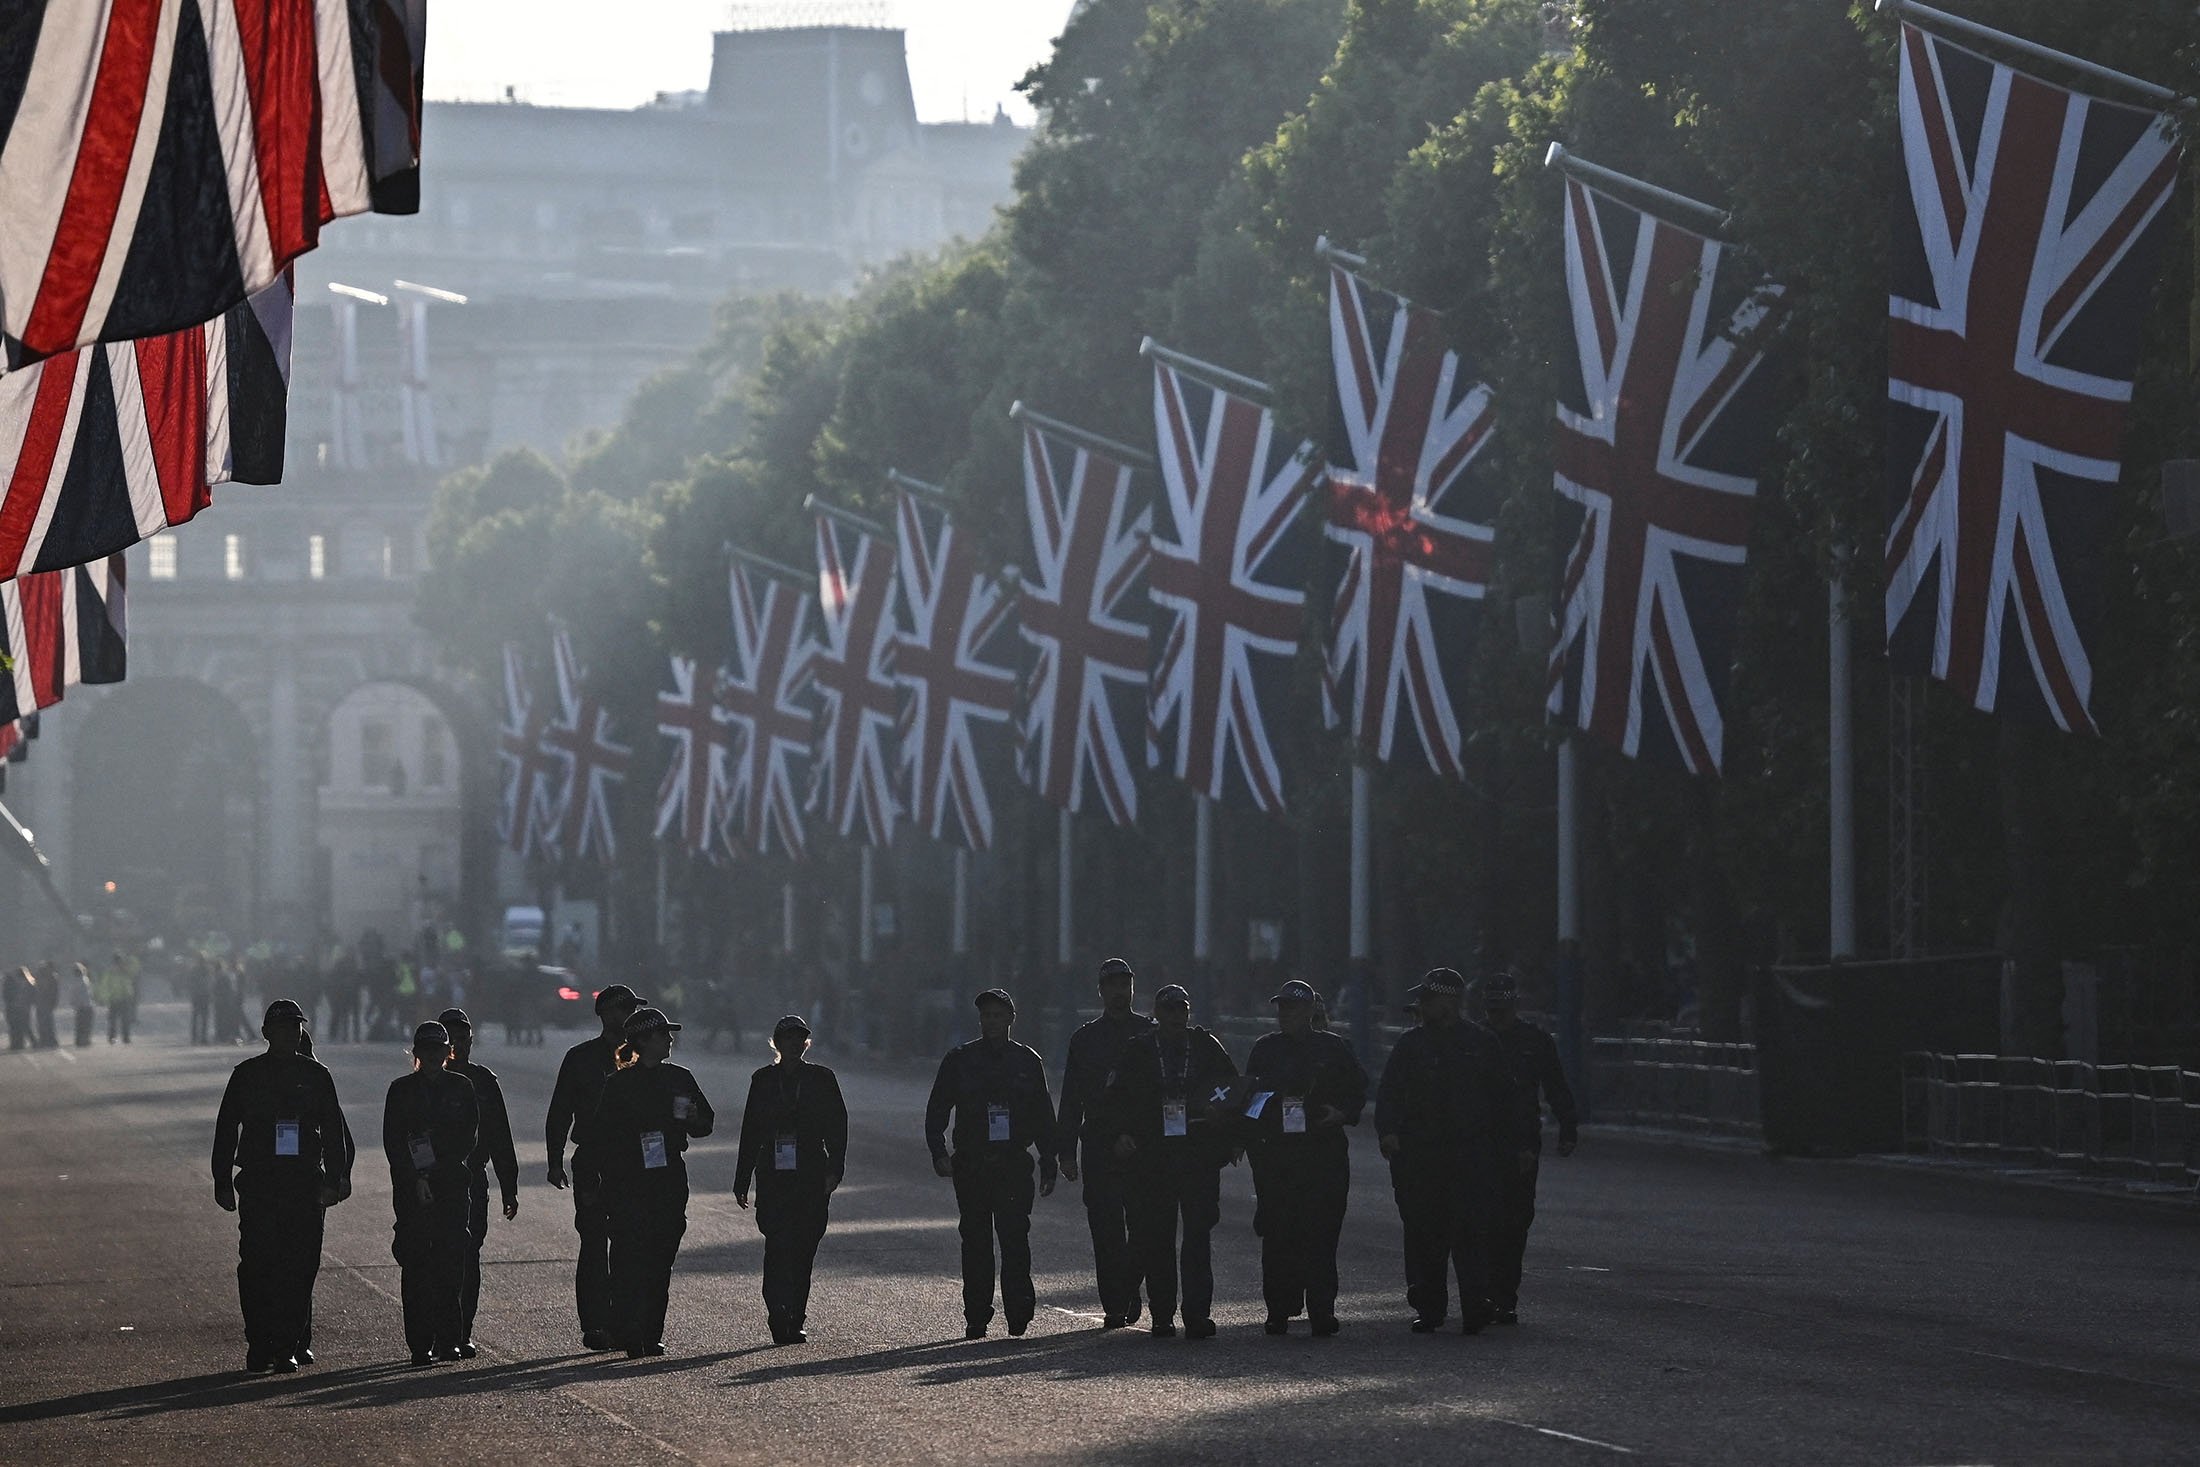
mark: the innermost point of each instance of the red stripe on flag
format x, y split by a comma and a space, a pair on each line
42, 630
34, 465
282, 63
172, 378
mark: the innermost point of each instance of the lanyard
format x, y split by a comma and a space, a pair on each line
1183, 1067
788, 1104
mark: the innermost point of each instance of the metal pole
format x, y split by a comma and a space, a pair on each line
1568, 967
1840, 776
961, 926
1709, 215
786, 918
1064, 861
864, 917
1942, 20
1362, 941
661, 900
1203, 849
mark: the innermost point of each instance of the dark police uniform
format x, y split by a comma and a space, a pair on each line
430, 1124
794, 1146
1163, 1087
573, 1100
998, 1097
1539, 1077
639, 1146
493, 1148
281, 1131
1302, 1177
1094, 1051
1447, 1094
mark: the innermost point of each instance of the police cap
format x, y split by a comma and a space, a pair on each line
431, 1035
996, 995
1443, 980
1175, 993
284, 1011
617, 993
1296, 991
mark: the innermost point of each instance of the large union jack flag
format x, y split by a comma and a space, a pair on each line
58, 629
764, 695
160, 160
1413, 422
1658, 451
2024, 261
530, 770
691, 799
591, 764
853, 670
1226, 576
1087, 674
951, 660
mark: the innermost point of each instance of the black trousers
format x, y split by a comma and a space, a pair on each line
1303, 1186
1183, 1182
1447, 1202
994, 1190
791, 1213
477, 1233
1116, 1265
592, 1272
431, 1247
120, 1015
84, 1019
1515, 1215
202, 1020
647, 1223
278, 1258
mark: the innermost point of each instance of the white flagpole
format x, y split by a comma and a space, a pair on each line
1203, 848
1362, 939
863, 921
1841, 777
961, 925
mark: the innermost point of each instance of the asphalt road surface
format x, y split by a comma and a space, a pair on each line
1681, 1306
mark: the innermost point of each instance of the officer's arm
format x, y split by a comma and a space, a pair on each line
1390, 1099
559, 1125
702, 1120
1048, 1134
496, 1121
1071, 1122
1219, 1053
752, 1139
466, 1125
335, 1154
836, 1126
1126, 1094
226, 1122
938, 1108
393, 1134
1559, 1093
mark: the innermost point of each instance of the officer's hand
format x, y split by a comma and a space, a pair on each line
1329, 1118
423, 1191
1527, 1162
1567, 1143
557, 1175
1125, 1148
941, 1166
833, 1181
225, 1197
343, 1188
1069, 1167
328, 1194
741, 1200
1390, 1145
511, 1208
1046, 1186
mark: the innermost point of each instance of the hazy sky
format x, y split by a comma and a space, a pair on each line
590, 53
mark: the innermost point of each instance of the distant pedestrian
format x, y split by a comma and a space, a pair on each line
493, 1148
649, 1109
19, 985
429, 1125
995, 1091
581, 1076
80, 994
794, 1147
118, 989
47, 1002
1094, 1051
1539, 1077
199, 988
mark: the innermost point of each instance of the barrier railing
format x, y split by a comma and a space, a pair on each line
1682, 1084
2139, 1122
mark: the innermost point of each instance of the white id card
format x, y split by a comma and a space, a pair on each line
1294, 1116
996, 1123
679, 1107
783, 1154
423, 1152
1258, 1103
286, 1138
1172, 1117
653, 1149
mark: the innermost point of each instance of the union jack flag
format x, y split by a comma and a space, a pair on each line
108, 445
948, 659
530, 771
592, 763
2024, 264
1224, 576
764, 696
163, 159
1658, 448
1413, 423
1090, 654
854, 672
691, 800
58, 629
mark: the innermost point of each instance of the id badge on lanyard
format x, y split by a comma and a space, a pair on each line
1294, 1116
783, 1154
286, 1138
1173, 1118
423, 1151
996, 1123
653, 1150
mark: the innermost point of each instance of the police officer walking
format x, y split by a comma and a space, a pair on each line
573, 1099
1171, 1156
430, 1126
794, 1147
996, 1092
1540, 1077
1447, 1115
1306, 1086
494, 1148
639, 1136
1093, 1052
1400, 1191
279, 1162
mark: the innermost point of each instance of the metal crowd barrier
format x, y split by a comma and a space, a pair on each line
1680, 1084
2139, 1122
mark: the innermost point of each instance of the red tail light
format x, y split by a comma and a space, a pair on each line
570, 995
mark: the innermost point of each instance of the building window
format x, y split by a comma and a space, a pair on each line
377, 752
396, 557
317, 557
161, 557
233, 557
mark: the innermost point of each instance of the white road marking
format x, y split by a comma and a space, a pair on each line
1564, 1436
1073, 1314
2159, 1385
1585, 1268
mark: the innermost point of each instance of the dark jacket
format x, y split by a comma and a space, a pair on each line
1540, 1077
974, 1076
805, 1103
263, 1090
1153, 1071
493, 1148
438, 1104
1449, 1092
1094, 1051
581, 1076
635, 1101
1318, 1067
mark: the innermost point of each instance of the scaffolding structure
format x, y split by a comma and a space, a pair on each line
787, 15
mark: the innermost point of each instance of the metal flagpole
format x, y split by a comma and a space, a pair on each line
864, 918
1941, 20
661, 900
786, 918
1840, 777
1362, 944
1569, 910
960, 932
1203, 851
1065, 857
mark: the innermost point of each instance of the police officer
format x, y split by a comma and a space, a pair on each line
1093, 1052
1447, 1116
1171, 1155
1408, 1218
639, 1136
430, 1125
1305, 1087
581, 1077
279, 1162
996, 1091
492, 1148
1540, 1077
794, 1146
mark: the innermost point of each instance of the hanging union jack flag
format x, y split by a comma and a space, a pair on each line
1413, 423
1225, 576
1080, 612
764, 696
853, 671
2026, 253
160, 160
530, 771
108, 445
691, 800
1660, 440
58, 629
951, 659
590, 762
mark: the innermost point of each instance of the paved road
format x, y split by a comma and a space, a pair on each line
1682, 1306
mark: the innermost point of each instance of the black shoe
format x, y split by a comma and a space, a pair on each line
974, 1330
636, 1352
448, 1352
597, 1339
1423, 1325
468, 1351
795, 1336
1018, 1326
283, 1365
1327, 1325
1130, 1315
423, 1357
1277, 1325
1505, 1316
257, 1364
303, 1356
1163, 1330
1113, 1321
1199, 1329
656, 1349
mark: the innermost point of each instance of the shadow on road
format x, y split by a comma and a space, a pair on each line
190, 1393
